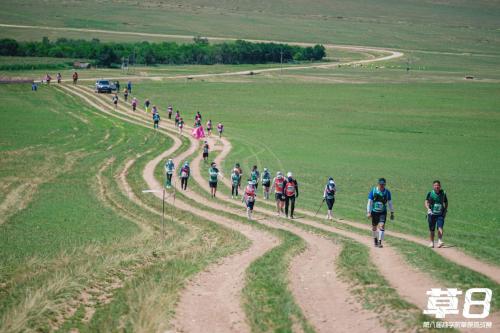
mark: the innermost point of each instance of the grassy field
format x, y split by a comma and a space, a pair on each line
67, 230
452, 26
411, 134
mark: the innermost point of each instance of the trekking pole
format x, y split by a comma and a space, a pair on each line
163, 214
320, 205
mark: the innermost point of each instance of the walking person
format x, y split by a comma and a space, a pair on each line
75, 78
117, 86
209, 127
213, 177
205, 151
249, 198
436, 204
154, 109
181, 125
376, 210
220, 129
169, 171
255, 176
235, 183
238, 168
147, 103
134, 104
129, 86
115, 101
177, 118
184, 173
125, 94
291, 192
156, 120
170, 110
266, 183
329, 197
48, 78
59, 78
278, 186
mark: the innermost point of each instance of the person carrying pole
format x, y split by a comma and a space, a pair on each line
329, 197
291, 192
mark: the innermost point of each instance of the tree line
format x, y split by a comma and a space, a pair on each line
199, 52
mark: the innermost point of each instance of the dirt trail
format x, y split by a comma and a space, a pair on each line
409, 282
322, 302
211, 301
450, 253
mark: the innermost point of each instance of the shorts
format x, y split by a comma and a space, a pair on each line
205, 155
250, 204
378, 218
212, 184
435, 219
329, 203
266, 185
279, 196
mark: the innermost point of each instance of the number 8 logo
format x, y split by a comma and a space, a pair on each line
485, 303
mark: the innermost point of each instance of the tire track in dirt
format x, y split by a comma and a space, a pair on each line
453, 254
410, 283
317, 285
213, 296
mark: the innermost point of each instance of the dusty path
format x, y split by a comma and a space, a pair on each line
409, 282
325, 300
450, 253
211, 301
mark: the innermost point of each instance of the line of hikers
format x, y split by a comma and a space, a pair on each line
286, 191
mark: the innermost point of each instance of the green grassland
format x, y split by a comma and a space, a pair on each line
456, 26
411, 134
70, 229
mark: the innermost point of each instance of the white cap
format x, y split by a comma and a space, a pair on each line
278, 173
265, 169
289, 174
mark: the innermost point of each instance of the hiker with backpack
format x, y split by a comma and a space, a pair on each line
249, 198
266, 183
436, 204
213, 177
156, 120
134, 104
291, 192
206, 147
329, 197
184, 174
169, 171
379, 199
255, 176
278, 186
235, 183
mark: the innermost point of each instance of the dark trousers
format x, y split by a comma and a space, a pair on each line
234, 190
289, 201
184, 183
169, 177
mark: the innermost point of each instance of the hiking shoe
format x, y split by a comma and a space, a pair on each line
431, 244
440, 243
375, 242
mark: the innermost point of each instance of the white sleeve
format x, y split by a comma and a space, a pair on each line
391, 208
369, 206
